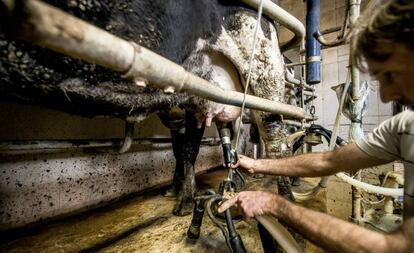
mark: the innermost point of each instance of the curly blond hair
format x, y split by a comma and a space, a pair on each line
384, 22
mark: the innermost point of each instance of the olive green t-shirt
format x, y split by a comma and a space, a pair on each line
393, 140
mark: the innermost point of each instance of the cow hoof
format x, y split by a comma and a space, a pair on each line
295, 181
183, 208
193, 232
170, 192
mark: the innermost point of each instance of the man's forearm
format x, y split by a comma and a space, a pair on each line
318, 164
336, 235
312, 164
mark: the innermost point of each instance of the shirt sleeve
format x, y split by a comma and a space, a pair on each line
384, 141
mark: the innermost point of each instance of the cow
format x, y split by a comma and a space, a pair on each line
212, 39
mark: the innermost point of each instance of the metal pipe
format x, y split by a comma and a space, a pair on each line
345, 25
293, 64
129, 137
282, 17
296, 123
355, 130
76, 144
308, 93
289, 85
311, 118
49, 27
310, 99
341, 38
202, 88
354, 10
331, 30
291, 79
313, 48
318, 36
311, 95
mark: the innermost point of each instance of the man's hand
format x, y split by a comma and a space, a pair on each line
245, 163
254, 203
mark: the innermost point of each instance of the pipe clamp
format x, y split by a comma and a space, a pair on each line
313, 59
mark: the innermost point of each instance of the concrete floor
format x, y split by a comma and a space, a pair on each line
143, 224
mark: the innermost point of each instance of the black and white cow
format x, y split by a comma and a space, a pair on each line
211, 38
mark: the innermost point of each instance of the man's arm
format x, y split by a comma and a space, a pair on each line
336, 235
330, 233
346, 158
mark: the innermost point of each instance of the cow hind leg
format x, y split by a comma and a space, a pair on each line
191, 147
178, 144
175, 122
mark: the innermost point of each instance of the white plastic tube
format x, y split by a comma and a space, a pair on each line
280, 234
371, 188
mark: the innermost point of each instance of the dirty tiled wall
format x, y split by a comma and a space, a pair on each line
39, 186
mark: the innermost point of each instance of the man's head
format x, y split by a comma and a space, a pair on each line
384, 38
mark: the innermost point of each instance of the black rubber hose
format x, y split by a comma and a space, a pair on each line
236, 242
194, 230
214, 220
230, 224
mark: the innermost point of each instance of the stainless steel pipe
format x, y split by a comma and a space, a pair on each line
291, 79
129, 138
319, 37
47, 26
282, 17
33, 145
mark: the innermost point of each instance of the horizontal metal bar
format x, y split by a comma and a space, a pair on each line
284, 18
78, 144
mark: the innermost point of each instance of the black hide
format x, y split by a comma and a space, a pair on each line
35, 75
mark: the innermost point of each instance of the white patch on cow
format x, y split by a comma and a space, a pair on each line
267, 76
267, 79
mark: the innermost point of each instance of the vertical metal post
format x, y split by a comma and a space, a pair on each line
355, 130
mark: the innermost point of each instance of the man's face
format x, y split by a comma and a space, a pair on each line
396, 75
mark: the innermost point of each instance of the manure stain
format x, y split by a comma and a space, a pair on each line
125, 234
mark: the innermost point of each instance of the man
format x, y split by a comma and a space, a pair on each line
386, 42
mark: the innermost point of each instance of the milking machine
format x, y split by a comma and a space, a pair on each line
210, 200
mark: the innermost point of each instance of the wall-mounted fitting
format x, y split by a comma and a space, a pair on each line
313, 139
